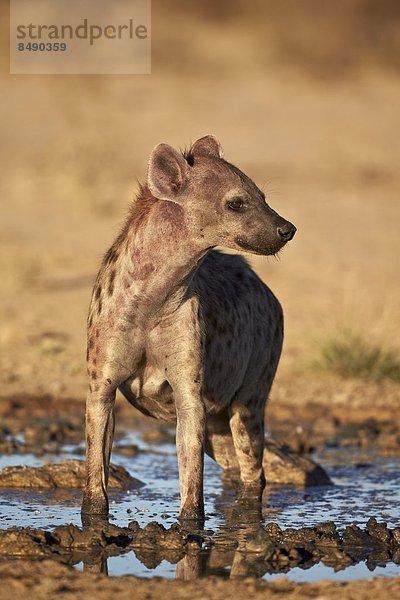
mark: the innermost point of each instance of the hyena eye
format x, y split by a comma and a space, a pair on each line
237, 204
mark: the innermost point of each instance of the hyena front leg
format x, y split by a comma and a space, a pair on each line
183, 369
190, 429
99, 439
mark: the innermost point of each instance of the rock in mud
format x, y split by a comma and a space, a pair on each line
354, 536
25, 542
274, 532
154, 543
156, 535
64, 539
284, 467
323, 534
71, 537
378, 531
69, 473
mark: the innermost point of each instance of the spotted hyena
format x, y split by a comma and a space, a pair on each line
188, 334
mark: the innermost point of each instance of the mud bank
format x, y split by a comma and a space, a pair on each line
284, 466
239, 547
258, 549
310, 431
50, 423
68, 473
281, 466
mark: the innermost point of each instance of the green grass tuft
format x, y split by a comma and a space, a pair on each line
349, 354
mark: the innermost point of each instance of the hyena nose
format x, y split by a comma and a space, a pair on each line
286, 232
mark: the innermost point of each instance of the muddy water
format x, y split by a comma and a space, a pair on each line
365, 486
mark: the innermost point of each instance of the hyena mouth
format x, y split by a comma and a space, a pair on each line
259, 247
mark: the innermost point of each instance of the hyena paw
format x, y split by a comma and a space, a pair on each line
94, 504
193, 514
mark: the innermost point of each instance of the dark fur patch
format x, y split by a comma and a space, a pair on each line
99, 307
98, 292
231, 328
189, 157
111, 256
254, 284
111, 283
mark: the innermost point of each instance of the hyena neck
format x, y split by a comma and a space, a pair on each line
159, 255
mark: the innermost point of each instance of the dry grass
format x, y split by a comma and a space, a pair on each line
350, 354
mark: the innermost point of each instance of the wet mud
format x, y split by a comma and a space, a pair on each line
327, 468
260, 549
281, 466
50, 424
68, 473
307, 435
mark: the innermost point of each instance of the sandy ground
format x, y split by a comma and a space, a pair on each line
59, 214
323, 142
47, 580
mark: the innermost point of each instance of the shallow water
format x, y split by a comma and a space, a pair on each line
128, 564
365, 486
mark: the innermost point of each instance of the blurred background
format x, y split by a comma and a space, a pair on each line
304, 97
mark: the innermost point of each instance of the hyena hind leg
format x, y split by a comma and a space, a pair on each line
219, 444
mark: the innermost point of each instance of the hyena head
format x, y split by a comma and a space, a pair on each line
221, 205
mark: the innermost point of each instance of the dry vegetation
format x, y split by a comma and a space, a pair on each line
350, 354
304, 96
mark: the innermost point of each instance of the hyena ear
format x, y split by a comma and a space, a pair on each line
167, 174
207, 145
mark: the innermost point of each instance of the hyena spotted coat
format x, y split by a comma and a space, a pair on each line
188, 334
